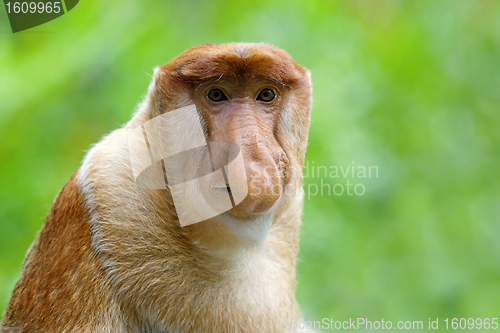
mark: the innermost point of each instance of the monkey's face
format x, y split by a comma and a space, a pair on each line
246, 113
251, 95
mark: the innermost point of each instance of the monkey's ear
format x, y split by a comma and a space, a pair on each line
152, 99
168, 90
159, 92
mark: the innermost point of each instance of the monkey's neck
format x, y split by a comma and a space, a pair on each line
228, 237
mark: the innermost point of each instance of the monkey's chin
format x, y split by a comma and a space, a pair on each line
250, 229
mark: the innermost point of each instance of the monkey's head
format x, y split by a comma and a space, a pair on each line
252, 95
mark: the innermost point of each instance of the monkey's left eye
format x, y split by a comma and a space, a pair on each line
217, 95
266, 95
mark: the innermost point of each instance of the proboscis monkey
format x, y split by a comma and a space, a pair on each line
112, 255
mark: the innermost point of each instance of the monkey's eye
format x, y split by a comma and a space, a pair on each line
266, 95
217, 95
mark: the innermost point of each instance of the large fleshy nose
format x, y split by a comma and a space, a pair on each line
259, 171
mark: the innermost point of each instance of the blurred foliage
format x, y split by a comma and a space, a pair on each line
411, 87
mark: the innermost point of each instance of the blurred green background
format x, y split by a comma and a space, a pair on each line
412, 87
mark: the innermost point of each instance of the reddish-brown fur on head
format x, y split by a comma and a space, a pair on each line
112, 256
236, 62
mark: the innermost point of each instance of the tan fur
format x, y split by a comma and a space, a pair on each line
112, 257
62, 281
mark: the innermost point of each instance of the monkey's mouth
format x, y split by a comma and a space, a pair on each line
221, 189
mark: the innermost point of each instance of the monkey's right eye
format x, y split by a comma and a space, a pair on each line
217, 95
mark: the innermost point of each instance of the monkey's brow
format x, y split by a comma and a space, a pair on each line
274, 80
206, 80
217, 78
